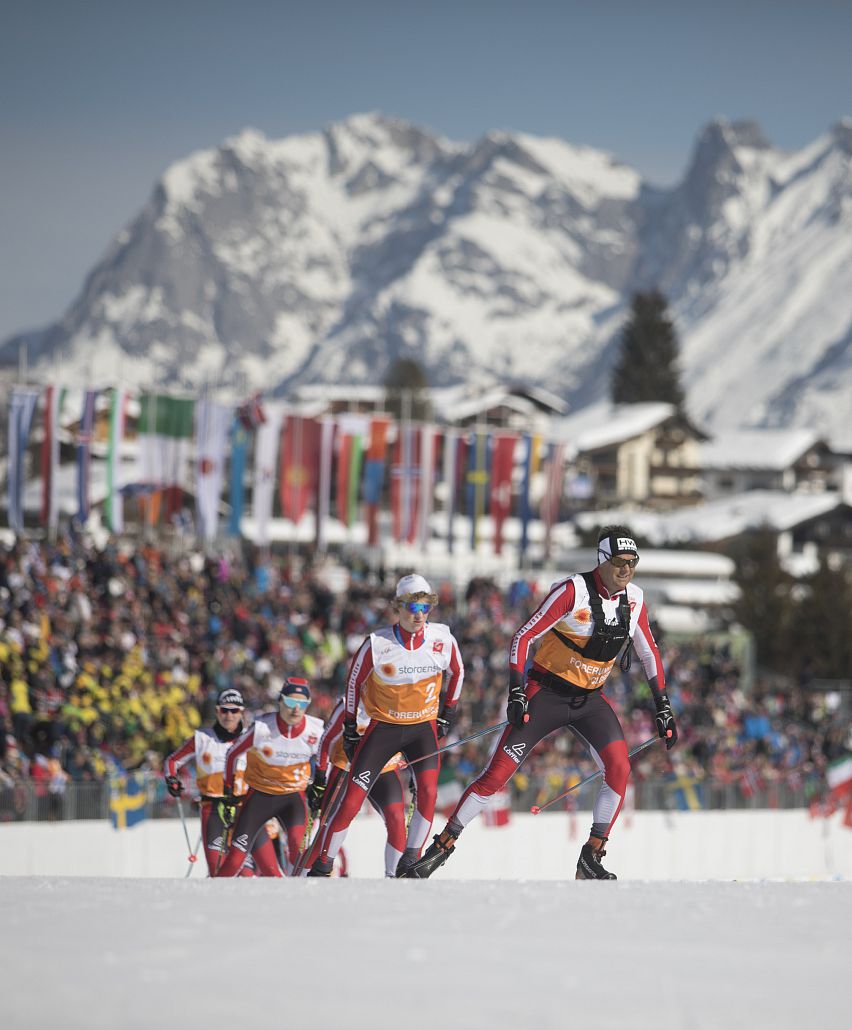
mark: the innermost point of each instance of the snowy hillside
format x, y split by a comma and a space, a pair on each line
323, 257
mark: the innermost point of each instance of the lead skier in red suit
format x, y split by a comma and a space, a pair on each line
582, 624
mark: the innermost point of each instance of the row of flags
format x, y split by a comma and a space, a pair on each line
347, 466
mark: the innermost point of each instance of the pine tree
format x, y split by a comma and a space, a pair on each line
407, 391
647, 368
765, 606
824, 623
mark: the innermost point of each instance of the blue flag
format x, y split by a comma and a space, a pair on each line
687, 792
127, 798
239, 450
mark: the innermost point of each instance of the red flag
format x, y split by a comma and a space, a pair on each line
300, 440
502, 463
553, 490
374, 474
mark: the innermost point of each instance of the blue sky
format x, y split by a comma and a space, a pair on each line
100, 96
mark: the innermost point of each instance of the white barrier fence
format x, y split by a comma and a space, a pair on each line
645, 846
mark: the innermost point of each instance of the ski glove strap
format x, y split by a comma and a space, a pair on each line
445, 721
516, 709
228, 813
351, 738
227, 809
666, 728
316, 791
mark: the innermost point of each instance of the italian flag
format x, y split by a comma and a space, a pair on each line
839, 776
165, 444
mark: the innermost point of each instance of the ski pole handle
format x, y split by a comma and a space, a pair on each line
464, 740
540, 808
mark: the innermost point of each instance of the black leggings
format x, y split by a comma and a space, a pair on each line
291, 811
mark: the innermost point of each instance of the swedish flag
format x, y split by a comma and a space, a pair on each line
687, 792
127, 797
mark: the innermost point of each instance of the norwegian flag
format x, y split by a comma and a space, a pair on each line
251, 413
751, 782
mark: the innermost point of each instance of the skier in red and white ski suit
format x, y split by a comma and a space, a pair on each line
279, 748
208, 747
398, 672
583, 624
387, 797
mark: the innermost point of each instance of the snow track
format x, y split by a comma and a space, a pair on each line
351, 954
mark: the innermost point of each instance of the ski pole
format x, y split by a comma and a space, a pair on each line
192, 857
464, 740
540, 808
327, 813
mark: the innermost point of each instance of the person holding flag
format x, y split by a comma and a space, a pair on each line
583, 624
398, 672
279, 750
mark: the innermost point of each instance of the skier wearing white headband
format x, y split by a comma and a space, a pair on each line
582, 625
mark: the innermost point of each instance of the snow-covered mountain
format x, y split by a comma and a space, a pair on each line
322, 258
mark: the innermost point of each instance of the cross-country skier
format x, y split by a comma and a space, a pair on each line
399, 672
279, 749
583, 624
208, 747
387, 797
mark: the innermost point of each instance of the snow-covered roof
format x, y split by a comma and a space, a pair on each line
479, 404
721, 518
604, 423
704, 565
775, 449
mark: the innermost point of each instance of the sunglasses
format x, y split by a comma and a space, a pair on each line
230, 711
418, 607
296, 702
619, 563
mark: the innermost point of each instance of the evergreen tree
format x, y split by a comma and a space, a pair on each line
824, 624
408, 391
646, 368
766, 607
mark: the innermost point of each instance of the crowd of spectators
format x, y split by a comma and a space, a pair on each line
111, 658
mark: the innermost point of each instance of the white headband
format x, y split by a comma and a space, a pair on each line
622, 544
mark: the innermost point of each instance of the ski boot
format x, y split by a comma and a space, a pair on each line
321, 868
407, 860
442, 846
589, 864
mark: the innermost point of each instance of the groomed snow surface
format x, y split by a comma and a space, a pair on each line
351, 954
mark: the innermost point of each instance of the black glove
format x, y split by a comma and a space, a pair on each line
316, 791
227, 809
175, 787
516, 709
351, 738
445, 720
666, 728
